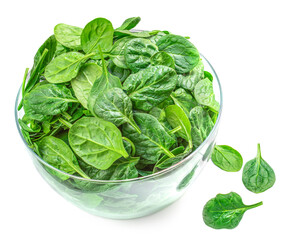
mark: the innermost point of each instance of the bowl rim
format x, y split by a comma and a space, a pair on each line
151, 176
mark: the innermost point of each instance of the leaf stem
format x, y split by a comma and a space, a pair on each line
66, 123
175, 130
24, 80
66, 115
132, 145
258, 151
81, 173
254, 205
133, 124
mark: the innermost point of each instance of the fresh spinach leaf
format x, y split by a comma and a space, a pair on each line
184, 53
227, 158
93, 139
97, 33
153, 140
138, 52
258, 176
129, 23
83, 82
68, 36
121, 73
162, 58
124, 33
208, 75
225, 211
150, 87
58, 154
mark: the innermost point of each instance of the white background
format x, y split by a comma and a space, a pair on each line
241, 39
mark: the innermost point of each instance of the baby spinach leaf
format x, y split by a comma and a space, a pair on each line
258, 176
189, 81
124, 33
225, 211
117, 52
121, 73
201, 125
60, 49
227, 158
65, 67
129, 23
204, 94
150, 87
184, 53
49, 99
58, 154
83, 82
98, 32
208, 75
138, 52
102, 84
94, 139
155, 38
162, 58
153, 140
68, 36
184, 100
177, 117
115, 106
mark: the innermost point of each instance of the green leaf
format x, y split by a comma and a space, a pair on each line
97, 142
258, 176
68, 36
153, 140
208, 75
184, 53
49, 99
102, 84
201, 125
83, 82
162, 58
184, 100
115, 106
150, 87
227, 158
129, 23
138, 53
189, 80
121, 73
117, 52
98, 32
58, 154
177, 117
65, 67
125, 33
204, 94
225, 211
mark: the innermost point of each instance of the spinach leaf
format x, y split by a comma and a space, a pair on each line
184, 100
204, 94
65, 67
115, 106
225, 211
98, 32
153, 140
150, 87
124, 33
94, 139
117, 52
227, 158
201, 124
49, 99
138, 52
58, 154
68, 36
155, 38
258, 176
208, 75
83, 82
177, 117
184, 53
189, 81
129, 23
121, 73
162, 58
102, 84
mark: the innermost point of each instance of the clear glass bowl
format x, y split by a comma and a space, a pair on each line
133, 198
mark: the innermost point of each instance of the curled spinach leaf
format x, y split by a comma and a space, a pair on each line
68, 36
225, 211
150, 87
129, 23
94, 139
227, 158
138, 53
258, 176
185, 54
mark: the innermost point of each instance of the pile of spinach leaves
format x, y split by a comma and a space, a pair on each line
112, 104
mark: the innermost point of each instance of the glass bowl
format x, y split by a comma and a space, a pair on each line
132, 198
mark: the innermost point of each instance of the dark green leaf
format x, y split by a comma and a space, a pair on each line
162, 58
184, 100
129, 23
121, 73
208, 75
